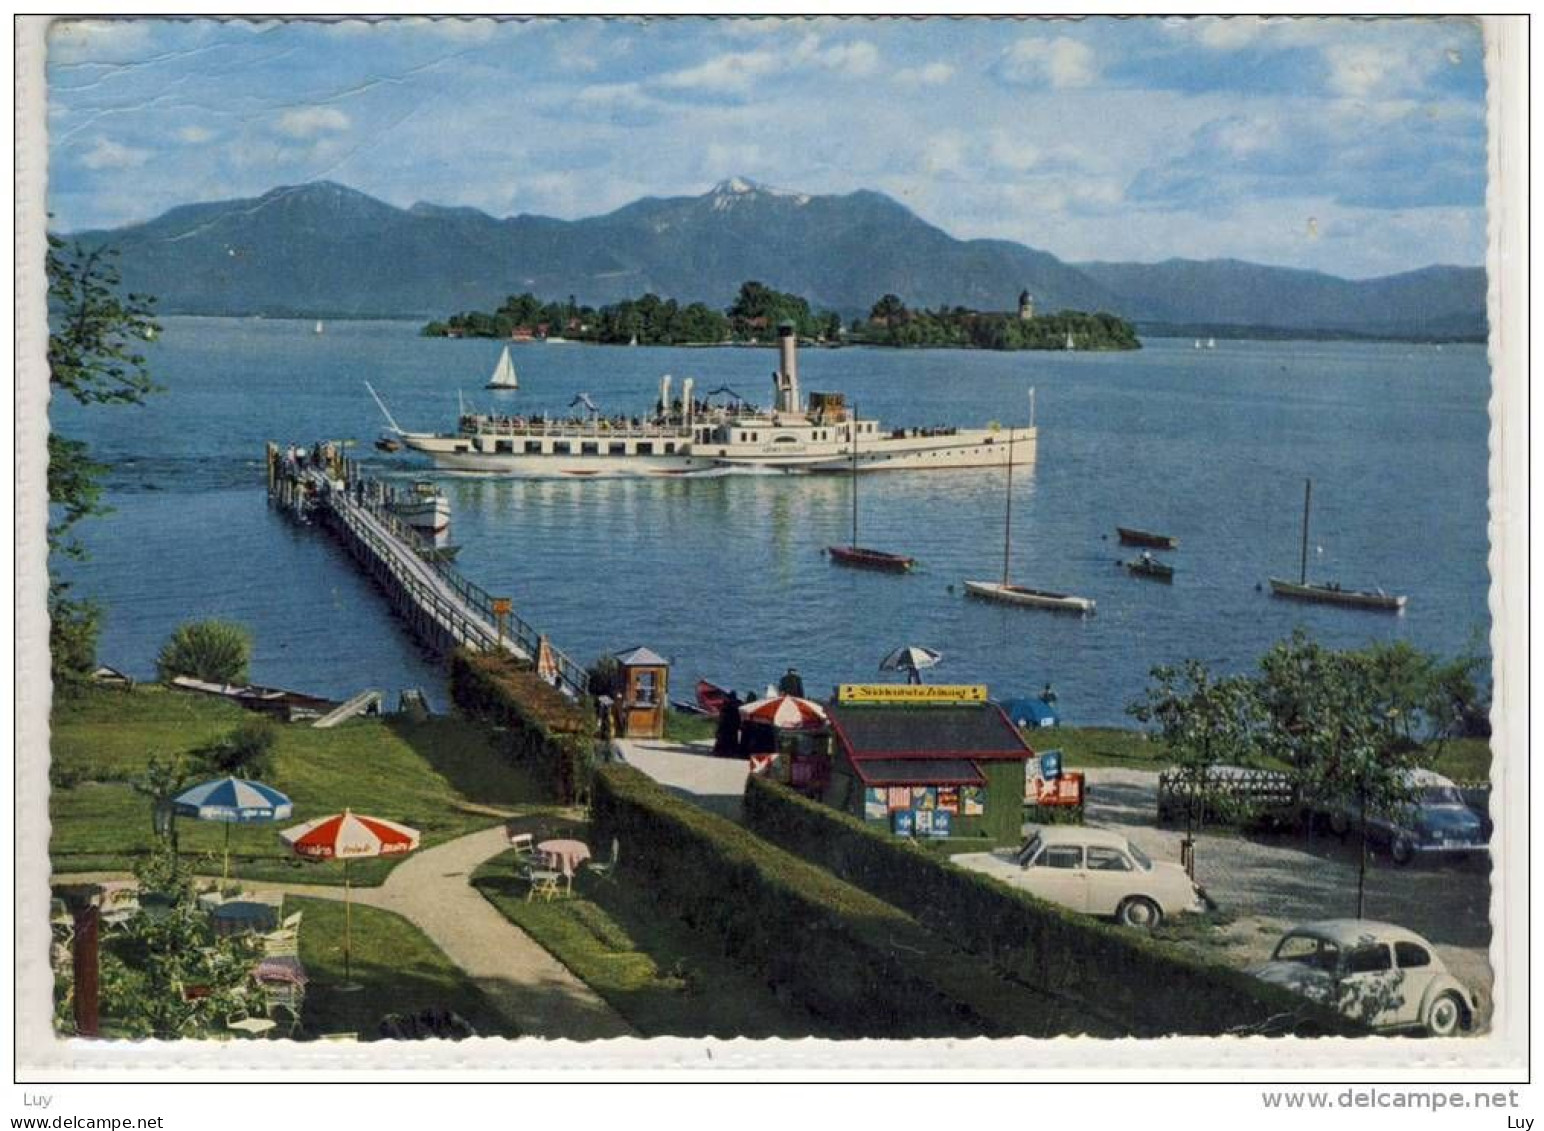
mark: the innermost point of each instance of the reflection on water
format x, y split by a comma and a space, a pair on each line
727, 574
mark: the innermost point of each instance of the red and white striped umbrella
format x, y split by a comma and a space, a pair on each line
786, 712
349, 836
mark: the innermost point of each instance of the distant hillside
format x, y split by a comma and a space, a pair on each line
1436, 301
325, 250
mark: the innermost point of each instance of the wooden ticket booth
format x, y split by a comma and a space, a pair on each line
645, 693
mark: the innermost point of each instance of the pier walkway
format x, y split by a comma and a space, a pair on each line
443, 608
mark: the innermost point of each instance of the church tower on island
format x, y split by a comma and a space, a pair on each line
1026, 306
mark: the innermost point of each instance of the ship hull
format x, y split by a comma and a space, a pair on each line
1030, 598
961, 449
1346, 598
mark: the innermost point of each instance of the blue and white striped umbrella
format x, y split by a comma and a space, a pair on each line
233, 801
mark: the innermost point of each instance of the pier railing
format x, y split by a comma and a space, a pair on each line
440, 601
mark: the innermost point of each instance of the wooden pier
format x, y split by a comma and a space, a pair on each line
444, 609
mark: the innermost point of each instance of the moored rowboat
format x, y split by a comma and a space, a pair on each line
1150, 567
711, 697
1332, 594
1133, 537
1035, 598
870, 559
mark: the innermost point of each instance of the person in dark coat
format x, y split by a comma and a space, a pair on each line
791, 683
726, 740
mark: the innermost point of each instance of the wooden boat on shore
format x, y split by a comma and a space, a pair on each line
289, 705
1331, 592
1150, 567
1035, 598
711, 697
858, 556
1130, 536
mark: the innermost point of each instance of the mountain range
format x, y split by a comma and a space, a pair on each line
325, 250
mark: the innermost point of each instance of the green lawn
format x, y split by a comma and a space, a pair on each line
1104, 747
400, 969
431, 775
683, 727
666, 979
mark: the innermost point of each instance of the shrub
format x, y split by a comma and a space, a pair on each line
1149, 988
246, 752
542, 728
213, 650
835, 950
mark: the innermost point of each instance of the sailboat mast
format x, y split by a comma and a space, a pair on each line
1008, 511
1302, 573
854, 476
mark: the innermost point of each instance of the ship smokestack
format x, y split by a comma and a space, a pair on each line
686, 399
788, 368
664, 395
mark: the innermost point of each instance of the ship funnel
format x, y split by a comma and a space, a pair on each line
686, 399
664, 395
788, 368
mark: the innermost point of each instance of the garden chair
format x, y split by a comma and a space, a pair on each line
241, 1021
288, 999
543, 882
524, 845
606, 869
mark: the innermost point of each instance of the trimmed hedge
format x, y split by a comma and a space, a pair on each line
836, 951
1148, 988
542, 728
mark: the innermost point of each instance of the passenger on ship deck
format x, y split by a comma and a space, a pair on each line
791, 683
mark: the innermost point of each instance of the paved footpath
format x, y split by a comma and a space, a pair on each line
432, 890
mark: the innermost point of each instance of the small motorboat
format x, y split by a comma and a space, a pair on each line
388, 444
1034, 598
1130, 536
870, 559
423, 508
1149, 566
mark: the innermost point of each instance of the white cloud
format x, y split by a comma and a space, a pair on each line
1228, 33
312, 120
108, 154
1012, 152
932, 74
194, 135
1062, 62
734, 71
860, 58
943, 153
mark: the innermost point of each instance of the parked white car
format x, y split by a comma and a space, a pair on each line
1096, 871
1377, 973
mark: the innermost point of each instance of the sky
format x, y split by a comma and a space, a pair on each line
1356, 147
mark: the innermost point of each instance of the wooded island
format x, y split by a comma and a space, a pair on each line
758, 309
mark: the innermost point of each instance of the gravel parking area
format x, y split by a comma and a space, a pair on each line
1269, 882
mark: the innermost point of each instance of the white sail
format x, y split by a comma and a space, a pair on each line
504, 376
319, 328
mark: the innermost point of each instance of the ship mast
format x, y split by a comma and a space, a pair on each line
1008, 512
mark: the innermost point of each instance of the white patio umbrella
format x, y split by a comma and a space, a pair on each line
911, 658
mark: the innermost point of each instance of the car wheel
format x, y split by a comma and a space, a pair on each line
1339, 825
1445, 1015
1139, 912
1402, 850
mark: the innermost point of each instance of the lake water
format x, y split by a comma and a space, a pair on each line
726, 576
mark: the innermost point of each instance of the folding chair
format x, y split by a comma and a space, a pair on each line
543, 882
606, 869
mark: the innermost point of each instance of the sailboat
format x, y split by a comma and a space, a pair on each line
319, 328
1211, 343
854, 554
1071, 345
1330, 593
1004, 590
504, 376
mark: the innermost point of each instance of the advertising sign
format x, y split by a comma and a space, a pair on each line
1066, 790
1050, 764
911, 693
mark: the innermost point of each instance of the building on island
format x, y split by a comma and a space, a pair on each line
1026, 306
928, 761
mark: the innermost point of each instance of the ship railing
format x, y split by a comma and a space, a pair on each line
481, 630
563, 430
